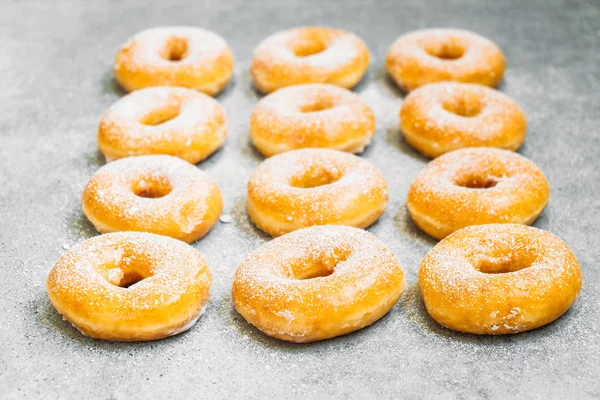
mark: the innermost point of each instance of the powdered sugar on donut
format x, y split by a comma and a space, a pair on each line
190, 203
175, 282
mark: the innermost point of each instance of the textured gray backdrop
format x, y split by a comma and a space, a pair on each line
55, 83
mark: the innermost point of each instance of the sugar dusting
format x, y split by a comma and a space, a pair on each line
111, 204
354, 181
459, 292
82, 284
345, 119
519, 193
274, 58
267, 283
198, 120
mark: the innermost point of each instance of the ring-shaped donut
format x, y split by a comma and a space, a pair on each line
309, 55
157, 194
307, 187
435, 55
311, 115
446, 116
130, 286
163, 120
476, 186
317, 283
175, 56
499, 279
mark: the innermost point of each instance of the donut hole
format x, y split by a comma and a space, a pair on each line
124, 278
152, 187
321, 266
315, 176
308, 47
160, 115
176, 49
448, 49
503, 265
464, 104
125, 271
477, 182
316, 106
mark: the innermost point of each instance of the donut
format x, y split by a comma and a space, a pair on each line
156, 194
309, 55
311, 115
163, 120
130, 286
175, 56
499, 279
307, 187
474, 187
317, 283
447, 116
434, 55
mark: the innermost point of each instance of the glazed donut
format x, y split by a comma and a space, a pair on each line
163, 120
435, 55
309, 55
446, 116
309, 187
499, 279
157, 194
311, 115
130, 286
476, 186
175, 56
317, 283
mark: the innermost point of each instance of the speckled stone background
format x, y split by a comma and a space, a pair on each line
55, 83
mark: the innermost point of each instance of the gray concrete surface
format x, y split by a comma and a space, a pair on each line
55, 83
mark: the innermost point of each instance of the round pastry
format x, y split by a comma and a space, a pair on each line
446, 116
175, 56
163, 120
435, 55
157, 194
130, 286
311, 115
309, 187
309, 55
317, 283
499, 279
476, 186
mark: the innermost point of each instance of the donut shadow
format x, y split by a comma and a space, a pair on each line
404, 223
395, 138
80, 225
228, 90
239, 212
110, 84
50, 319
248, 149
384, 80
95, 159
249, 88
246, 330
363, 83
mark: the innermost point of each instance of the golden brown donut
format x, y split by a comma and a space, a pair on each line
157, 194
130, 286
499, 279
309, 187
434, 55
446, 116
175, 56
309, 55
311, 115
476, 186
163, 120
317, 283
